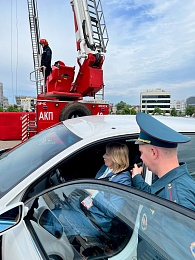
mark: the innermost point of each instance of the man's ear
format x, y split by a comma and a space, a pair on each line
154, 151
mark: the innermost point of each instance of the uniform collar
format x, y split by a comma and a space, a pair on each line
169, 177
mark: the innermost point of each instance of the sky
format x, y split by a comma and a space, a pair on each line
151, 45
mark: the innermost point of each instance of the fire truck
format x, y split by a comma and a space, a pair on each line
62, 96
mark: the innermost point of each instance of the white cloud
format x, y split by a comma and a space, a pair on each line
151, 45
143, 52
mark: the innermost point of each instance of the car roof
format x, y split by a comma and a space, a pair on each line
122, 124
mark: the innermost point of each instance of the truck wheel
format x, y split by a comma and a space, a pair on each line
74, 109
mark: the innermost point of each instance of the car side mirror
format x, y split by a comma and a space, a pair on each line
11, 216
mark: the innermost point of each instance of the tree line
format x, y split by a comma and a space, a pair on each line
126, 109
122, 109
11, 108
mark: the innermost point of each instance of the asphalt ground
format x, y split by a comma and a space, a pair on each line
8, 144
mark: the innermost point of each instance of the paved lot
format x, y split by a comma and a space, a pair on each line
8, 144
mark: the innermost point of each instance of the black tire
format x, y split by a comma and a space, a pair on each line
74, 109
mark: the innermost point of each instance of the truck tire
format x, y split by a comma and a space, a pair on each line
74, 109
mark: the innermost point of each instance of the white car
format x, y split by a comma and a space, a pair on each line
40, 178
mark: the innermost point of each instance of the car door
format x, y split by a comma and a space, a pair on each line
143, 226
84, 162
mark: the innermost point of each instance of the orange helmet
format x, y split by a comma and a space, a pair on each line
43, 41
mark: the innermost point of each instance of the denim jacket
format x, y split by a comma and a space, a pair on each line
106, 205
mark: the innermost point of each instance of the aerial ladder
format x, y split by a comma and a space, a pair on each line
91, 32
62, 96
35, 37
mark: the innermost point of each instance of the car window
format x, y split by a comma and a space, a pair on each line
83, 163
20, 162
186, 154
118, 223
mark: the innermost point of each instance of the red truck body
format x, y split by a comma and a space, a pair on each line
61, 95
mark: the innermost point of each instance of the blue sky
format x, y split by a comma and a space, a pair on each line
151, 45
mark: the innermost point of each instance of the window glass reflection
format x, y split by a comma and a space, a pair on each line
17, 164
9, 218
137, 227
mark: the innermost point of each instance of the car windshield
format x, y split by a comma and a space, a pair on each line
20, 162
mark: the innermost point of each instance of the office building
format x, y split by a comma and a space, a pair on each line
5, 103
179, 105
26, 103
155, 98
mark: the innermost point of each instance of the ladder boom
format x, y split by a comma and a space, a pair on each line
35, 37
90, 27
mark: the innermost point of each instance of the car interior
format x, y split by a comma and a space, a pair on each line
121, 238
98, 246
82, 164
85, 163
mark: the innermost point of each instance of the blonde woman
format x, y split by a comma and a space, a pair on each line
116, 163
105, 206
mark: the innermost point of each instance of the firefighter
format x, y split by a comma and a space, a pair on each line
158, 146
46, 58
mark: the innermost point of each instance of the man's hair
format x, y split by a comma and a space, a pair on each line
169, 152
119, 154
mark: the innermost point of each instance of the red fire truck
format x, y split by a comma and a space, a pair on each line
62, 97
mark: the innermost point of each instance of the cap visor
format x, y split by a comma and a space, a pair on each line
139, 142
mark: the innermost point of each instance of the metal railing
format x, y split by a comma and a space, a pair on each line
40, 81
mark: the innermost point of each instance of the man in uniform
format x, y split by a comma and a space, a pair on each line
158, 146
46, 58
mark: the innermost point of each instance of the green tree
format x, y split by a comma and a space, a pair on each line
120, 106
180, 113
12, 108
15, 107
157, 111
190, 110
1, 109
173, 112
132, 111
126, 110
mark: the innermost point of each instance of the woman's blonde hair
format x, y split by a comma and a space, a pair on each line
119, 154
